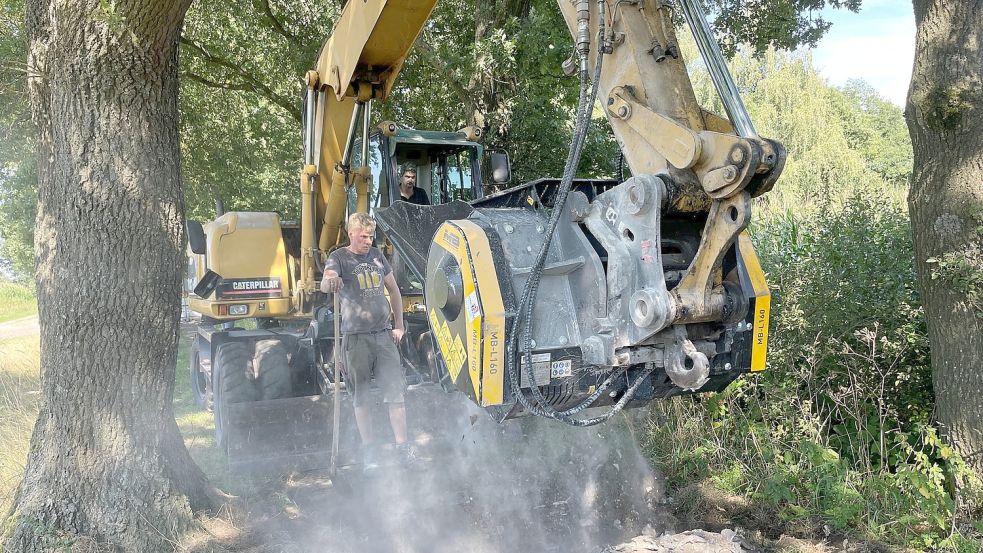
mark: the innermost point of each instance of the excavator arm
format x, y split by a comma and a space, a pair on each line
651, 106
358, 63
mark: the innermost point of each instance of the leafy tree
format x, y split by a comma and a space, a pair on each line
788, 99
18, 177
783, 24
242, 68
876, 129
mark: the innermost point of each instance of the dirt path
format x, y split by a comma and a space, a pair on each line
27, 326
481, 487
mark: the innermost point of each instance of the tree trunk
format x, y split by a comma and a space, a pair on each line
494, 83
107, 466
945, 114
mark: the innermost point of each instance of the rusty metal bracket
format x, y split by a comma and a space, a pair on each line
696, 296
723, 163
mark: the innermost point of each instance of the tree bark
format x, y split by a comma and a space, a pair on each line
107, 466
945, 114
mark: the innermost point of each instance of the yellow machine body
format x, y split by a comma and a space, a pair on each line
247, 249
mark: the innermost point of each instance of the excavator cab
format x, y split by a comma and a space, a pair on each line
448, 168
448, 165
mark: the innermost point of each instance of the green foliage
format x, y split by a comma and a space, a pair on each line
838, 141
784, 24
18, 177
839, 429
16, 300
546, 104
242, 65
876, 129
18, 209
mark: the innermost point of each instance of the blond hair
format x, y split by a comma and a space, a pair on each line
361, 221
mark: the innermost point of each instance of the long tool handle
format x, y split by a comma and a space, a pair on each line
336, 419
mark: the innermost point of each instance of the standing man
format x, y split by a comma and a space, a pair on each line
358, 274
408, 191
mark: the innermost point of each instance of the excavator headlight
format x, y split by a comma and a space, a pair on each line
239, 309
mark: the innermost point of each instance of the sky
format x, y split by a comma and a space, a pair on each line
876, 45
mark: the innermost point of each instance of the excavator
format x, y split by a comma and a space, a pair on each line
566, 298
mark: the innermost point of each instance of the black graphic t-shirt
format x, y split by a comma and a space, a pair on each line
364, 307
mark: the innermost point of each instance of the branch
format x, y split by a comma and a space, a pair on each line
435, 60
216, 84
249, 82
277, 26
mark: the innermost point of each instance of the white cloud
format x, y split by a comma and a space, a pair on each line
876, 45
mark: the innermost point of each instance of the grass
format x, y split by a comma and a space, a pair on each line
19, 403
19, 396
17, 301
197, 426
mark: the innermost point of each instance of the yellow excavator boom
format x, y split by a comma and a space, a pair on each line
358, 63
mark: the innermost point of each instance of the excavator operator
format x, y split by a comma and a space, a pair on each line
408, 190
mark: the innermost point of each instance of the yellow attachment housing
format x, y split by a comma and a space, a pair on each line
759, 298
466, 310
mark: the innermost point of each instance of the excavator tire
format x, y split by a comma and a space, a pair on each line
232, 383
201, 389
272, 369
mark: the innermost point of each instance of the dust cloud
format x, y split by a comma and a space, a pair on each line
530, 485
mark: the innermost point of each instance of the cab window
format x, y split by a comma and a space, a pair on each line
378, 185
452, 177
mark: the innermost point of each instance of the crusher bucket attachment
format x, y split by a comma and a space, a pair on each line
610, 326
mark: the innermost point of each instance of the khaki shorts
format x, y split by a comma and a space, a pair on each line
370, 352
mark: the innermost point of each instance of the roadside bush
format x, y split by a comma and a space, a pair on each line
838, 430
16, 301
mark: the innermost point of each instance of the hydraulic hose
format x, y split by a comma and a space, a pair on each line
524, 319
526, 302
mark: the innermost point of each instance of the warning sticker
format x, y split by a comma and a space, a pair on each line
471, 306
451, 346
560, 369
